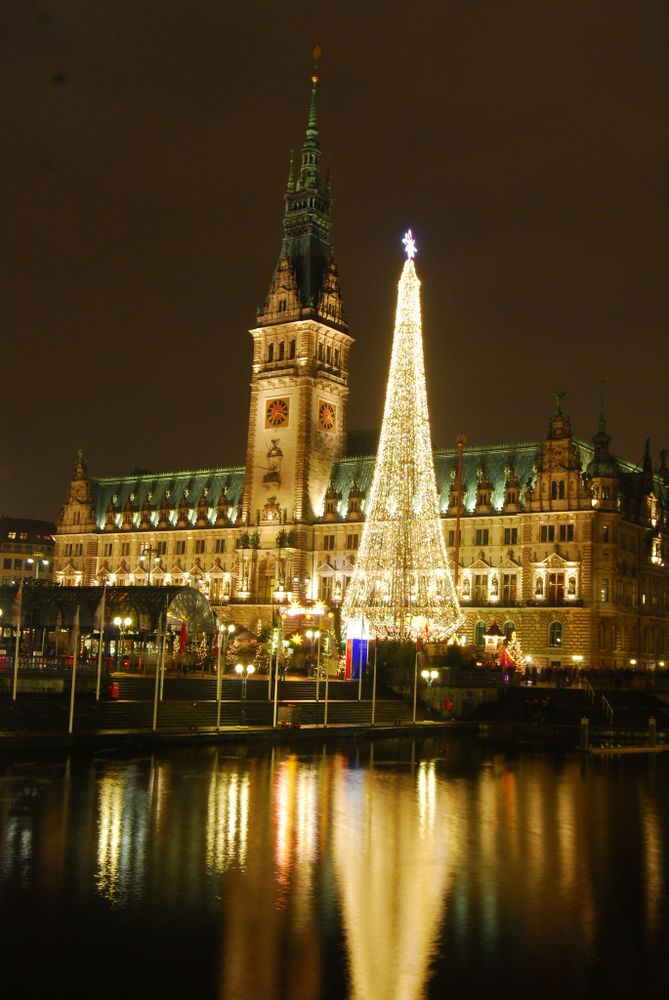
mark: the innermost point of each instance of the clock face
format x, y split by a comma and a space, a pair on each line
276, 414
327, 416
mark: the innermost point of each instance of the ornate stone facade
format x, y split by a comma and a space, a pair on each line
559, 539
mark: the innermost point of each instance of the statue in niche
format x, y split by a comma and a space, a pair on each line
539, 589
494, 587
571, 586
274, 455
465, 587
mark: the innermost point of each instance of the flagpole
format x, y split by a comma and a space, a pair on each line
376, 649
101, 623
327, 692
415, 683
19, 608
218, 678
74, 670
156, 686
162, 659
162, 653
279, 646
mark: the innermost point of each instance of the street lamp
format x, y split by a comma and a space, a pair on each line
429, 676
122, 624
37, 563
244, 673
224, 631
311, 635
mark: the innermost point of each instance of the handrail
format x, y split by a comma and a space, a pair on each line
608, 708
589, 688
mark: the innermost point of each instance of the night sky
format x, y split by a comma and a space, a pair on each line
144, 162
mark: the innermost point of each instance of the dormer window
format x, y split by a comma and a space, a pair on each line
558, 490
282, 305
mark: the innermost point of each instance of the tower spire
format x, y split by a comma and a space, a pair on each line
311, 139
602, 419
307, 255
401, 586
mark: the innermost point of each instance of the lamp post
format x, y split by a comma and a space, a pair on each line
122, 624
37, 563
429, 676
244, 672
227, 631
224, 632
310, 634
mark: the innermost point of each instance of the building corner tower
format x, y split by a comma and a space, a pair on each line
299, 383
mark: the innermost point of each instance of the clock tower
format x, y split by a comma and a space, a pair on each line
299, 384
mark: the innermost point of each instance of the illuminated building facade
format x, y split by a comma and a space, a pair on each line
26, 550
559, 540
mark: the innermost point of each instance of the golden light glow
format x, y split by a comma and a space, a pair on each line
401, 587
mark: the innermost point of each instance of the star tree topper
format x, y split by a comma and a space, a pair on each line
409, 244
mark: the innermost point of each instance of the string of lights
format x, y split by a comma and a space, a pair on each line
401, 586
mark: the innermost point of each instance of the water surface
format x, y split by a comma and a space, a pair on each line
395, 870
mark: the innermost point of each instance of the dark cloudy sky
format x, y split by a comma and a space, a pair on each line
145, 154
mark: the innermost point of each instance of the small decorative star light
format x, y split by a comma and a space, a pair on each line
409, 244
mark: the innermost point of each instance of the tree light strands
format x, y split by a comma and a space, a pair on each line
401, 586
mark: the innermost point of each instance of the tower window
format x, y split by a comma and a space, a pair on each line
558, 490
282, 351
292, 349
270, 352
328, 355
282, 305
320, 350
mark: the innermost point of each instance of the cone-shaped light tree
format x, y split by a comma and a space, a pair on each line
402, 587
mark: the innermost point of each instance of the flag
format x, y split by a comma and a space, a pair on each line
100, 612
76, 628
17, 607
183, 638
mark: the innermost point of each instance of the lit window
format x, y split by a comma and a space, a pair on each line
555, 635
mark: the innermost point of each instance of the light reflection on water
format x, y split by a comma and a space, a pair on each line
392, 874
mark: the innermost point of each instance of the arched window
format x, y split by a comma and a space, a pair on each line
282, 351
328, 355
509, 627
479, 632
270, 352
291, 353
555, 635
320, 350
282, 305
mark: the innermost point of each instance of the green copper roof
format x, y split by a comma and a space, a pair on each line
172, 486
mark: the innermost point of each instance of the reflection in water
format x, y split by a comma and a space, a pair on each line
227, 820
332, 876
393, 859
